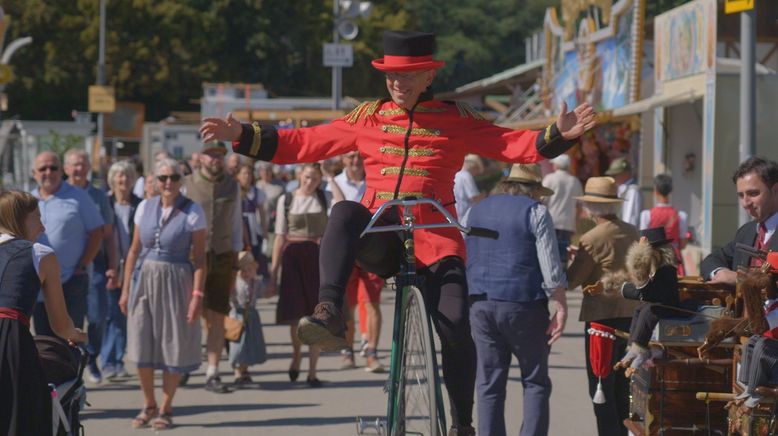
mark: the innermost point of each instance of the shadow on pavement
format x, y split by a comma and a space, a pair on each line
91, 413
296, 421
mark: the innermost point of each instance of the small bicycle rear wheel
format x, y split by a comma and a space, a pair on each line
417, 402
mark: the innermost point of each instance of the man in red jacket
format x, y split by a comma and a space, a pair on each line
413, 146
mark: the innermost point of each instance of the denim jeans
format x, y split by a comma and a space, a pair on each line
75, 291
96, 311
115, 334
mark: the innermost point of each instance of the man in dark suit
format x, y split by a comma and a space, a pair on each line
756, 181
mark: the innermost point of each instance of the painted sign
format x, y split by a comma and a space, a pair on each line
592, 64
735, 6
685, 41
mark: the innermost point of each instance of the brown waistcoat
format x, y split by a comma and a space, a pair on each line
218, 200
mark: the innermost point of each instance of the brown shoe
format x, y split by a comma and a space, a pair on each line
457, 430
325, 328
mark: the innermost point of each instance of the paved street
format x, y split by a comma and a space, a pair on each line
279, 407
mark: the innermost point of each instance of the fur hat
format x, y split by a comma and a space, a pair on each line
643, 260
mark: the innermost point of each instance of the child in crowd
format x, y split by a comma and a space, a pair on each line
250, 348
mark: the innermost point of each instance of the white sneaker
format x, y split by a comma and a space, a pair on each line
363, 348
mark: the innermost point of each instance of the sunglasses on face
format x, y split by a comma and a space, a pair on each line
172, 177
52, 168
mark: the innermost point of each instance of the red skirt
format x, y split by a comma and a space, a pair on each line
299, 290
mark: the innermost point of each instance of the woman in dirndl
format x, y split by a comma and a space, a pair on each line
300, 223
162, 297
25, 268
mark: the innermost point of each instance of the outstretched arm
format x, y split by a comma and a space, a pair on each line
525, 146
308, 144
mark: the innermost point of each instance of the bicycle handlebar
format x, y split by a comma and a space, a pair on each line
412, 201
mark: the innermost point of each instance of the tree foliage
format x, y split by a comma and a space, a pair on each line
159, 52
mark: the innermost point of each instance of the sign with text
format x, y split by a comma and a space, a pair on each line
338, 55
101, 99
735, 6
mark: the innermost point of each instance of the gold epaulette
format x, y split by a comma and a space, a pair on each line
467, 111
364, 110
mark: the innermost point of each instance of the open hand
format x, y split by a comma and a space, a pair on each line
573, 124
220, 129
558, 322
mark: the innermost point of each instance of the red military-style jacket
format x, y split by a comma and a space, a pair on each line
442, 134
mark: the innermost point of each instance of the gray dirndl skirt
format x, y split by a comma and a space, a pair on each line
158, 335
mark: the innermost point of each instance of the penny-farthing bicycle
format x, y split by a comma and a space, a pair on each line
415, 404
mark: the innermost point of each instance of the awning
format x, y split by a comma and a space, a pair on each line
649, 103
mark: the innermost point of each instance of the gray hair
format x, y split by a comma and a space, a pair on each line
122, 167
74, 153
513, 187
561, 162
600, 209
167, 163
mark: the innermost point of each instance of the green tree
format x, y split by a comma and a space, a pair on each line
159, 52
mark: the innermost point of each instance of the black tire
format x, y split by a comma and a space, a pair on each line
418, 403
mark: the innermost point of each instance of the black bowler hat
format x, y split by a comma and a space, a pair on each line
656, 236
407, 51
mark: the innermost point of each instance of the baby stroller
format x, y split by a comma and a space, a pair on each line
64, 367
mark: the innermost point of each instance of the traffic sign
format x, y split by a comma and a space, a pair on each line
6, 74
338, 55
101, 99
734, 6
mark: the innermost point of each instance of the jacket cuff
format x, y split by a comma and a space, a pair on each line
257, 142
631, 292
550, 142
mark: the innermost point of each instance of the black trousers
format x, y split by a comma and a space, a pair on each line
610, 415
645, 319
445, 292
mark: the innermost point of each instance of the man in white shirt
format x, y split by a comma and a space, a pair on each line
562, 205
621, 171
466, 192
364, 288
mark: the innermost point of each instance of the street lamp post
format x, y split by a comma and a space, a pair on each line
343, 11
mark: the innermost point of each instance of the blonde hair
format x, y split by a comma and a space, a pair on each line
14, 208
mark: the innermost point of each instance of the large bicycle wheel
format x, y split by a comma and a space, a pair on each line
417, 400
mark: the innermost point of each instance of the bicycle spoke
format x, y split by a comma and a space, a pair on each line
417, 377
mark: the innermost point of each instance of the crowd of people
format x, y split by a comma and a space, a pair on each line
202, 239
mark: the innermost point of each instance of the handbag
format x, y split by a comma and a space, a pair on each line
233, 327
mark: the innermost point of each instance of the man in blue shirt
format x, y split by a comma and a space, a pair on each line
74, 229
510, 281
104, 264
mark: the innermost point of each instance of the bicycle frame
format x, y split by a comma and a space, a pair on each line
405, 280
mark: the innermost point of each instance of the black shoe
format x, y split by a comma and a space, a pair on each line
243, 382
325, 328
457, 430
314, 382
183, 380
293, 374
214, 384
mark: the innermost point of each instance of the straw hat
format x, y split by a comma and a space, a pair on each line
601, 190
245, 258
531, 175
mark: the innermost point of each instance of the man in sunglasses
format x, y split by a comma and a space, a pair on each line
413, 145
74, 229
219, 195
